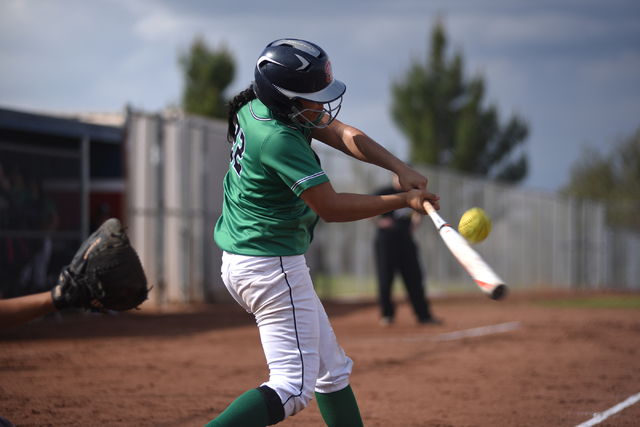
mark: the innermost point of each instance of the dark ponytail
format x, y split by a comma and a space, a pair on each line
234, 105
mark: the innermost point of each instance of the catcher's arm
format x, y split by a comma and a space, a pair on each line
105, 274
14, 311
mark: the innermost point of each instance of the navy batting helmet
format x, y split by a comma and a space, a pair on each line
292, 69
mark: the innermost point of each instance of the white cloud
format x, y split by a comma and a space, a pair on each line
545, 27
160, 24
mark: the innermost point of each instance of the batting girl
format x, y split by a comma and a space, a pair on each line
274, 194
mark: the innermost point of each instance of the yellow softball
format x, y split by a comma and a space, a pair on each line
475, 225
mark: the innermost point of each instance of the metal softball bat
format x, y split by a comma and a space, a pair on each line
484, 276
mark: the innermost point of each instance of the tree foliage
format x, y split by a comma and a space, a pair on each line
447, 123
613, 176
207, 73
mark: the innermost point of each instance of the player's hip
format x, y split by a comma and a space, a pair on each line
257, 281
247, 265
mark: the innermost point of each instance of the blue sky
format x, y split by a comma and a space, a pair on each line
571, 68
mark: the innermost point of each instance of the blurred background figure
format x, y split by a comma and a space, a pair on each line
14, 250
396, 251
41, 216
5, 212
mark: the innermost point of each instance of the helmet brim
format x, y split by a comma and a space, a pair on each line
329, 94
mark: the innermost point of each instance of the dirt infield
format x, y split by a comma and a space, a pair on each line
511, 363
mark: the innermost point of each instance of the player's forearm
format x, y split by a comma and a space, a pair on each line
344, 207
371, 152
364, 148
359, 145
14, 311
354, 207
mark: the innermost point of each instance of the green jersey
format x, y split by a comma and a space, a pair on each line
272, 163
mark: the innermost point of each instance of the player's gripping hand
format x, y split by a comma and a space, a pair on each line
411, 179
416, 197
105, 273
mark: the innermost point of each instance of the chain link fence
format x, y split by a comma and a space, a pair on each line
175, 167
538, 239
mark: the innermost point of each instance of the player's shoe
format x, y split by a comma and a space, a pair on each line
430, 321
386, 321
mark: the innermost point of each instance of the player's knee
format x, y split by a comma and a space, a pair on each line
336, 375
296, 403
275, 408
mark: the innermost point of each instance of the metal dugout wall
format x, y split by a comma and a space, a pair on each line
175, 167
76, 166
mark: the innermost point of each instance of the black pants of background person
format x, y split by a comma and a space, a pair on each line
397, 253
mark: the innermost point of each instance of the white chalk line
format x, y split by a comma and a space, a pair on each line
601, 416
467, 333
477, 332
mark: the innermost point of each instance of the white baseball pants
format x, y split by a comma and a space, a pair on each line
300, 346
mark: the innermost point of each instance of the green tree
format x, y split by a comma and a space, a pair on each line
207, 73
613, 176
447, 123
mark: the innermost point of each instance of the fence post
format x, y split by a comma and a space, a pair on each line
85, 176
159, 158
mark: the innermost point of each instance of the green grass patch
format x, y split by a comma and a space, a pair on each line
350, 287
344, 287
611, 302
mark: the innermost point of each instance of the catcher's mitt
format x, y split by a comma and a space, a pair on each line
105, 273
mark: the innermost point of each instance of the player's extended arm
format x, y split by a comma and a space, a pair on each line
343, 207
14, 311
356, 143
359, 145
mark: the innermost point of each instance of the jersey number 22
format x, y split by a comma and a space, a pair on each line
237, 151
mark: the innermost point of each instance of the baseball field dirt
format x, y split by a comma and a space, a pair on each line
534, 359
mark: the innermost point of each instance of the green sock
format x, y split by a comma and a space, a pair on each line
339, 409
248, 410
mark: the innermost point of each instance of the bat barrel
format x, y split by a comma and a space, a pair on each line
478, 269
499, 292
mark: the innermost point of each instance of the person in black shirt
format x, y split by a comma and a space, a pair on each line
396, 251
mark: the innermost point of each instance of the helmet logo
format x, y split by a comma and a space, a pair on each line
303, 61
328, 71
